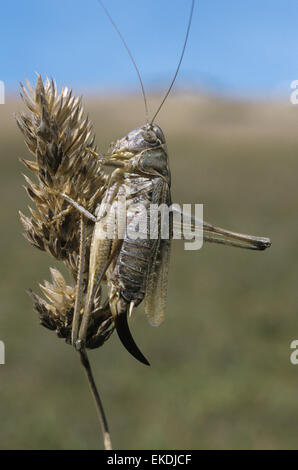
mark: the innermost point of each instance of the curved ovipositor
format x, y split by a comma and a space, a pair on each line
126, 338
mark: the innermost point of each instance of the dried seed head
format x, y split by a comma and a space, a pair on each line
57, 313
63, 143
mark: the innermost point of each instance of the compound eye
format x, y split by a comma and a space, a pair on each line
159, 134
150, 137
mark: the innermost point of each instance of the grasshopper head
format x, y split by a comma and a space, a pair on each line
142, 138
145, 150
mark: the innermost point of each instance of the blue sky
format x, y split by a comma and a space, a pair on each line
245, 48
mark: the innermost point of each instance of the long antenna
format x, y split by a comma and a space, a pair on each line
129, 53
180, 61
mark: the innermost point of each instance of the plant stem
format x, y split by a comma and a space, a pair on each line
99, 406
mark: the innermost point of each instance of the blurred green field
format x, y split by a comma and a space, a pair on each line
220, 374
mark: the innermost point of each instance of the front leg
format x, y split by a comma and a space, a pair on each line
77, 206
